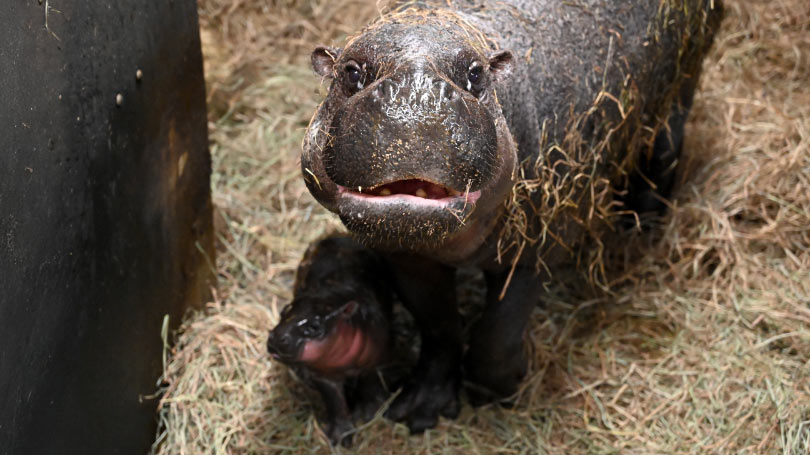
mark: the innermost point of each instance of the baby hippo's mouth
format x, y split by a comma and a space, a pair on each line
416, 191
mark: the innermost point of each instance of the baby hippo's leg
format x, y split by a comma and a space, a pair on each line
368, 395
338, 424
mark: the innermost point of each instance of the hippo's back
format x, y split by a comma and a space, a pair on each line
567, 53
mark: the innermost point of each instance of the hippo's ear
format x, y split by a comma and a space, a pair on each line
323, 60
500, 65
349, 309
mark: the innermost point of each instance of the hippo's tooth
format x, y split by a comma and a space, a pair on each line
385, 192
421, 193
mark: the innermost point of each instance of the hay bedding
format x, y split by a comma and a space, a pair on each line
703, 346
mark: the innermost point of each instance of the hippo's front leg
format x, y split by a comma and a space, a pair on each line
495, 362
427, 289
337, 425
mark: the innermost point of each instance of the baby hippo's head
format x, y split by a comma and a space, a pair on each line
325, 333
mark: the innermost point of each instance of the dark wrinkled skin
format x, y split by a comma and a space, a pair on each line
404, 107
341, 289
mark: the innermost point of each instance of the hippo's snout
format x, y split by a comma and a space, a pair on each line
281, 345
412, 127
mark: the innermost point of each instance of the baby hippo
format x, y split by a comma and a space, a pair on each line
335, 333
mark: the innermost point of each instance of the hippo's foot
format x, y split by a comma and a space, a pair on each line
339, 431
488, 380
421, 403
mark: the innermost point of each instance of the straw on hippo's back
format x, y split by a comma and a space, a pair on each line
498, 134
338, 329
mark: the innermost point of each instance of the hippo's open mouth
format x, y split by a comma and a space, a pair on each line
413, 191
415, 187
406, 215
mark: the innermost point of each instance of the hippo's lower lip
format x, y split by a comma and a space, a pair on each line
398, 222
420, 197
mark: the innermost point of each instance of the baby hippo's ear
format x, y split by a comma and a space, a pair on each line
323, 60
349, 309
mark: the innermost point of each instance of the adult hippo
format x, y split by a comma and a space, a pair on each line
498, 134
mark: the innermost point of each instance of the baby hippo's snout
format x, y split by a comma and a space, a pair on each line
288, 339
281, 345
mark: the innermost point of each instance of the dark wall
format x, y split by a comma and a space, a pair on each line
105, 214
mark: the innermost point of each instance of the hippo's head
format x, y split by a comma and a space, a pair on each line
410, 147
327, 331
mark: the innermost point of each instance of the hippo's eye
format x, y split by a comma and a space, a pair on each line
354, 76
311, 328
353, 73
475, 78
475, 74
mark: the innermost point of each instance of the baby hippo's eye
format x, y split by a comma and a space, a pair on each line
311, 328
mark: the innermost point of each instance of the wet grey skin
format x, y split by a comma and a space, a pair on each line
436, 112
341, 288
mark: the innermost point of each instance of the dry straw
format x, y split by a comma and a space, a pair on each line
703, 345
